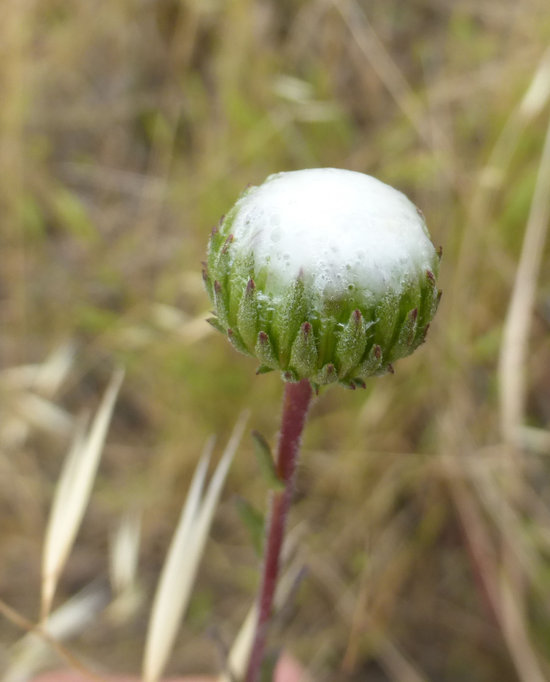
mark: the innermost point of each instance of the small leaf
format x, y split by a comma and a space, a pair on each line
254, 522
72, 214
269, 664
266, 461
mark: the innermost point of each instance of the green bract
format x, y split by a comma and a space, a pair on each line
323, 274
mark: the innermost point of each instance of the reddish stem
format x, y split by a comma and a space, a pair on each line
295, 406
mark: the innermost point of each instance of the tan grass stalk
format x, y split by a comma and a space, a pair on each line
513, 353
54, 370
43, 414
507, 519
397, 665
34, 650
390, 75
501, 594
180, 568
241, 648
535, 440
45, 377
124, 552
29, 387
327, 576
72, 493
532, 103
174, 587
124, 544
538, 92
513, 358
490, 179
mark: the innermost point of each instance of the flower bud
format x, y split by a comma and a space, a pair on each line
323, 274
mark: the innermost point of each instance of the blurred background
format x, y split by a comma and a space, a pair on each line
422, 519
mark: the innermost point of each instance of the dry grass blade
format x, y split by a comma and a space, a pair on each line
240, 651
395, 663
173, 591
535, 439
43, 414
513, 352
28, 389
45, 377
124, 551
53, 371
180, 569
531, 104
21, 376
35, 650
492, 177
124, 548
503, 603
507, 519
516, 632
389, 73
72, 493
539, 91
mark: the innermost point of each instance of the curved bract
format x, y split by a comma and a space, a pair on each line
323, 274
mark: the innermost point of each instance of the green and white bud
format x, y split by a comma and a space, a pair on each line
323, 274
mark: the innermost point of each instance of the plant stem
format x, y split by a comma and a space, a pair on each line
296, 401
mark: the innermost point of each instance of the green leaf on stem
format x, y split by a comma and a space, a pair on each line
266, 462
254, 522
269, 664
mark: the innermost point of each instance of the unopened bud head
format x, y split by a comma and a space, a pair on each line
323, 274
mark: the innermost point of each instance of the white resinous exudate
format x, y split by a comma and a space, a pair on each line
339, 229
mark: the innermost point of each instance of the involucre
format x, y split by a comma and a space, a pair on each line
323, 274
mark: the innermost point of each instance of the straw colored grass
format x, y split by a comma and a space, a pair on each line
73, 492
182, 562
517, 327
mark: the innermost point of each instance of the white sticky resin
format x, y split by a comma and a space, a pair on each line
338, 229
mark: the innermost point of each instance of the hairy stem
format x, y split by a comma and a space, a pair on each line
295, 406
